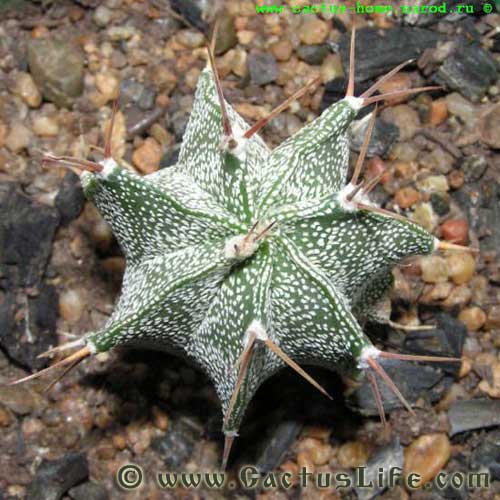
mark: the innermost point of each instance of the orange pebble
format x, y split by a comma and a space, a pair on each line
455, 231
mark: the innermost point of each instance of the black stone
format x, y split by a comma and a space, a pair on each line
413, 380
191, 12
26, 233
383, 137
55, 477
313, 54
387, 458
470, 70
377, 51
481, 201
88, 491
277, 442
177, 445
447, 339
263, 68
335, 91
473, 414
440, 203
487, 455
70, 198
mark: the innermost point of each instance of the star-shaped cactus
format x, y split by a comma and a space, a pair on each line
244, 259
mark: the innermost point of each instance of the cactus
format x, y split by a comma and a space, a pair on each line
245, 260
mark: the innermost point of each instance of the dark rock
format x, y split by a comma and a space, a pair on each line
487, 455
263, 68
134, 92
70, 198
36, 331
88, 491
440, 203
278, 441
447, 339
335, 91
383, 137
313, 54
57, 68
414, 381
190, 11
470, 70
26, 233
171, 157
387, 458
481, 201
177, 445
377, 51
55, 477
473, 414
226, 35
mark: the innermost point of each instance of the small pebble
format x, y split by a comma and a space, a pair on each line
26, 88
313, 31
146, 158
191, 39
493, 319
459, 296
426, 456
331, 68
461, 267
102, 16
18, 138
319, 452
227, 37
404, 151
425, 216
282, 49
433, 183
473, 318
456, 231
438, 161
108, 85
434, 268
119, 33
400, 81
119, 441
492, 386
71, 305
439, 112
461, 107
45, 126
437, 292
407, 197
405, 118
352, 454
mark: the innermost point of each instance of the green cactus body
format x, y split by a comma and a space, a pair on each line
195, 284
